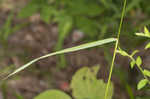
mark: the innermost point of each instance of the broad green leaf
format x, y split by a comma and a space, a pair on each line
53, 94
138, 61
132, 64
85, 85
147, 46
142, 83
146, 72
68, 50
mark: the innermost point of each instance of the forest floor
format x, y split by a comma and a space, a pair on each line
37, 39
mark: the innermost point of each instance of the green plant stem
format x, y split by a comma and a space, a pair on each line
115, 50
141, 70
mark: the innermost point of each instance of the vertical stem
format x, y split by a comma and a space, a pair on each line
115, 50
139, 67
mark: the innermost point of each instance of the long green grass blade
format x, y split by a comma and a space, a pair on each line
76, 48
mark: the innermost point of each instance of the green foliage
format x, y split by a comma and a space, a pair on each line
6, 29
67, 15
132, 64
146, 72
87, 16
53, 94
82, 14
133, 4
115, 49
142, 83
134, 52
138, 60
4, 88
31, 8
91, 17
18, 96
55, 11
64, 26
143, 97
122, 52
84, 85
76, 48
145, 34
147, 46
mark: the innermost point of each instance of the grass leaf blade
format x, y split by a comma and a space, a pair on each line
76, 48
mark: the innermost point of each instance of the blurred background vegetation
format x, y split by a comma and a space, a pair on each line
31, 28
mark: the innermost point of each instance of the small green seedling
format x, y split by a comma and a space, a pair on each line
138, 61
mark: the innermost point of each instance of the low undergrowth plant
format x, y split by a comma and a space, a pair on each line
138, 60
67, 15
90, 17
84, 85
7, 29
68, 50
